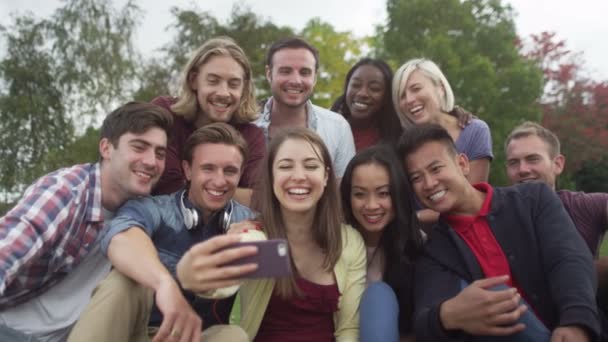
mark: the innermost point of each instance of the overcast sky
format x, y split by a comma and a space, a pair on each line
581, 23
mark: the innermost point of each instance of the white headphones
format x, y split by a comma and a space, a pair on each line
192, 216
189, 213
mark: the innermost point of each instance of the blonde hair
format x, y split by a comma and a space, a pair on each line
430, 70
187, 103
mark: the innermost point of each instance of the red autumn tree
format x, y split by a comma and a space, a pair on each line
574, 106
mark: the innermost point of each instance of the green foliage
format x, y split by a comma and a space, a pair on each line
473, 41
92, 44
70, 67
33, 119
83, 149
338, 51
592, 176
192, 28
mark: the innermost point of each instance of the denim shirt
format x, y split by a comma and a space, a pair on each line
162, 219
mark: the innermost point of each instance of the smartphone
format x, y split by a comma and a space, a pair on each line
272, 258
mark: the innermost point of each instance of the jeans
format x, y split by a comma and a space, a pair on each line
379, 314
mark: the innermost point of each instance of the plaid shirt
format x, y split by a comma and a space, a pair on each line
49, 231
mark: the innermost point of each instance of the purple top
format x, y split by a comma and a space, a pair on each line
589, 214
475, 140
173, 177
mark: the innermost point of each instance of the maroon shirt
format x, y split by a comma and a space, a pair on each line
309, 317
173, 177
365, 137
589, 213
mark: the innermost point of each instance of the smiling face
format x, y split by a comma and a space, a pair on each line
135, 164
365, 92
219, 87
438, 177
421, 98
292, 77
371, 200
299, 176
529, 160
214, 175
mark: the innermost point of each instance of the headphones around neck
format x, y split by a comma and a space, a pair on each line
193, 217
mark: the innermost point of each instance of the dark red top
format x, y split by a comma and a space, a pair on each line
309, 317
365, 137
173, 178
589, 212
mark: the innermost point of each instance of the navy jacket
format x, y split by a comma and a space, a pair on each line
548, 260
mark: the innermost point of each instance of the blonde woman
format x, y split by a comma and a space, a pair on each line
422, 94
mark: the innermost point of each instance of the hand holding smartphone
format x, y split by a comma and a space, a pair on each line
272, 258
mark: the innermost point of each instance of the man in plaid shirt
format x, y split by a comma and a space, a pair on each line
50, 259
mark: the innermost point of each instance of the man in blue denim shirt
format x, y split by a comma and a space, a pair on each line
149, 236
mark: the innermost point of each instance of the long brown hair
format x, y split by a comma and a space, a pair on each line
326, 227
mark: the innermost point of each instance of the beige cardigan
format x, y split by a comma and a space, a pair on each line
350, 276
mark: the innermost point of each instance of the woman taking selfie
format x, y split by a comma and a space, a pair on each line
299, 203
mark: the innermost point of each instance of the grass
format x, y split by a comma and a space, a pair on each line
604, 248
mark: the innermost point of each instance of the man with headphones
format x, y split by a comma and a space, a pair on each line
149, 236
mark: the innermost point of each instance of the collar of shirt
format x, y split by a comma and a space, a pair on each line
459, 220
264, 120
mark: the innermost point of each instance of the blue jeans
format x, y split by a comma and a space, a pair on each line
379, 314
11, 335
535, 330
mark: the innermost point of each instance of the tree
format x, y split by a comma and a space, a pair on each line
33, 119
70, 67
194, 27
338, 51
474, 43
96, 62
574, 106
592, 176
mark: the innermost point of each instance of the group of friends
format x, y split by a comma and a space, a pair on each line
394, 233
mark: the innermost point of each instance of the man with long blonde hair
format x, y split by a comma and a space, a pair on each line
216, 85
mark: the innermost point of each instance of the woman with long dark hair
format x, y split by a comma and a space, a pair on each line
378, 202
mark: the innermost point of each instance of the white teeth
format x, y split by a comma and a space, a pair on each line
373, 217
215, 192
415, 109
143, 175
221, 105
298, 191
360, 105
436, 196
293, 91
